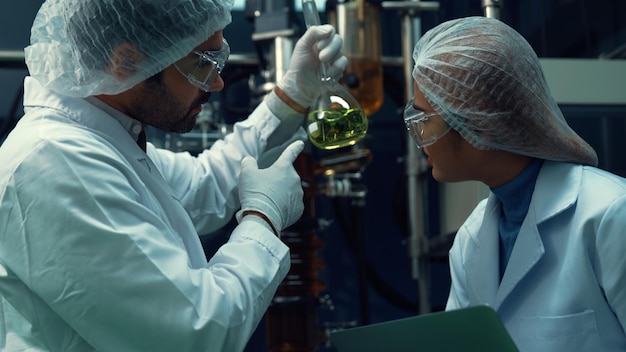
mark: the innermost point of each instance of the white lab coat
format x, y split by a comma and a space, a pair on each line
99, 247
564, 288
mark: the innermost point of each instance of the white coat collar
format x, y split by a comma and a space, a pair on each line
100, 117
131, 125
556, 190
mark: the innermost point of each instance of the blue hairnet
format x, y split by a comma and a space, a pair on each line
73, 42
486, 82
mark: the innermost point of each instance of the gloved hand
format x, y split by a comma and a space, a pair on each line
276, 192
318, 44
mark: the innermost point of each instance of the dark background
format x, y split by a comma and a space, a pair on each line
589, 29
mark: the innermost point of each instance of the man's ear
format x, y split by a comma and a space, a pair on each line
124, 60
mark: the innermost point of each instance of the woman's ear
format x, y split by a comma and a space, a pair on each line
124, 60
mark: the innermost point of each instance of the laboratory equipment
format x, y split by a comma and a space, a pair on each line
209, 128
358, 23
291, 321
336, 118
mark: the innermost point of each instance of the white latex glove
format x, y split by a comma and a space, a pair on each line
318, 44
276, 192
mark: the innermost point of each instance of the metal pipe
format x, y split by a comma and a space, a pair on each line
12, 59
415, 163
283, 47
492, 8
15, 58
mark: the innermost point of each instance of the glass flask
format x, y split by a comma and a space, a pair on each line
336, 118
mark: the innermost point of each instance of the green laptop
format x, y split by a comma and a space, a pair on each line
470, 329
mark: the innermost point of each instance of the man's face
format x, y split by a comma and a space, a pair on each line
168, 100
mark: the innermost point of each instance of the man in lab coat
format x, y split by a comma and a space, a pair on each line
546, 249
99, 246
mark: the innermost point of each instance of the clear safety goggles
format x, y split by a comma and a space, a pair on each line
202, 68
424, 130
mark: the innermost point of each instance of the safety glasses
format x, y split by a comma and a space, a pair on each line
202, 68
424, 130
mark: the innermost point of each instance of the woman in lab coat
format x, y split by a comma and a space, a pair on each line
546, 248
99, 247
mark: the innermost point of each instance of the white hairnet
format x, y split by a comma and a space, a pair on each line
486, 82
73, 41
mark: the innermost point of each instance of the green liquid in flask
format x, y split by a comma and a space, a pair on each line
336, 128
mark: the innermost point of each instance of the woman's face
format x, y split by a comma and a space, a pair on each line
451, 157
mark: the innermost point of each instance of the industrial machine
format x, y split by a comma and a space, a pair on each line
294, 321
